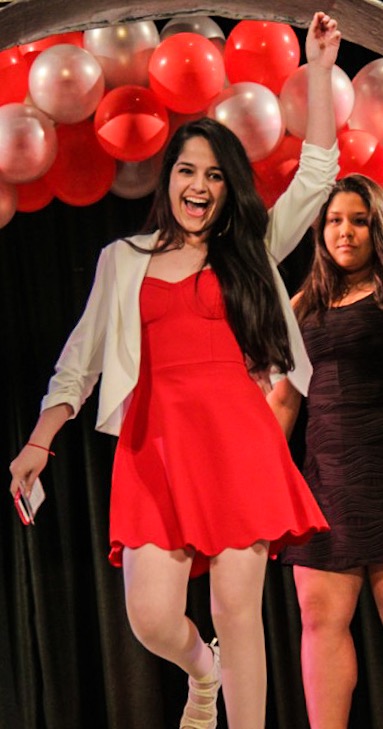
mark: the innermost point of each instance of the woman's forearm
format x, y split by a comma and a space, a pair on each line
49, 423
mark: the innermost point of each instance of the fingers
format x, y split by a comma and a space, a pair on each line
22, 483
324, 24
24, 470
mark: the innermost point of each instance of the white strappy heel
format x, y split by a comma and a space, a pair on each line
206, 687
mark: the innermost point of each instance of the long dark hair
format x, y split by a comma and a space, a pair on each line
235, 248
325, 281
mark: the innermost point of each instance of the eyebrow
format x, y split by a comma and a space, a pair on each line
332, 211
190, 164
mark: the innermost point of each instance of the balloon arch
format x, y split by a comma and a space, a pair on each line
87, 112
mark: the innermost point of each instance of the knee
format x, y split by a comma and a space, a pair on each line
320, 614
151, 622
233, 612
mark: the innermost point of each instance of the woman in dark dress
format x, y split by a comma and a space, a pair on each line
340, 311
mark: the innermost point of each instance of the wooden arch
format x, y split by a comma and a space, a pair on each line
21, 21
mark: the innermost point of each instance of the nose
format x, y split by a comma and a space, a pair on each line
346, 230
199, 182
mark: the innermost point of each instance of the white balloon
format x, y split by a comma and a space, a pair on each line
134, 180
367, 113
201, 24
123, 51
28, 143
293, 98
67, 83
253, 113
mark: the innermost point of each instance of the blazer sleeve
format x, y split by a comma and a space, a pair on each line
80, 363
298, 207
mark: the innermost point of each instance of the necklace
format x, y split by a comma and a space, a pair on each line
362, 285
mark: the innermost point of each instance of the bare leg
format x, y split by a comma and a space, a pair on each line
376, 578
155, 594
329, 665
237, 579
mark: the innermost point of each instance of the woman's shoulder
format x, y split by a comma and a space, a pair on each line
145, 241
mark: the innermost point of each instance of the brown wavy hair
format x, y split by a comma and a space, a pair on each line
325, 281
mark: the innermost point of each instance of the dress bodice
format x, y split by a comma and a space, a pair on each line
185, 321
346, 350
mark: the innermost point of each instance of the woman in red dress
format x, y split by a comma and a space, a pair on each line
176, 323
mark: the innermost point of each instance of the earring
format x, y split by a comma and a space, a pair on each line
226, 228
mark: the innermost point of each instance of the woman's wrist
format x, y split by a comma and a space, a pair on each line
42, 447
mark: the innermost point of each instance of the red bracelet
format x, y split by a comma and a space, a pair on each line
43, 448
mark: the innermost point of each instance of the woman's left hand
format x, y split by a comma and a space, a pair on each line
322, 40
261, 377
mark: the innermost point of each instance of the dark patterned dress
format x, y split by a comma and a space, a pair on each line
344, 437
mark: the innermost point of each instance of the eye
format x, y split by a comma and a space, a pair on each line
185, 170
216, 176
361, 222
333, 220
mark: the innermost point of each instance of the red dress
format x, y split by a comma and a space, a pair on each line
201, 461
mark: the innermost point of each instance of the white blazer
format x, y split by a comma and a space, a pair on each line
107, 338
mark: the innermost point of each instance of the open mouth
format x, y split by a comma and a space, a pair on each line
196, 206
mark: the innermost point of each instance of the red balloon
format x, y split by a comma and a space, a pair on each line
82, 172
131, 123
265, 53
32, 49
32, 196
8, 202
186, 72
13, 76
362, 153
274, 173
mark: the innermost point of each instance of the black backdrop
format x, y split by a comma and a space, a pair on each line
67, 657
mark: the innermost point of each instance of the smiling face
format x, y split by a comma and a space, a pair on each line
197, 189
346, 233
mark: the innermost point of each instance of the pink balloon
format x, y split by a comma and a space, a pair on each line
8, 202
137, 179
367, 113
123, 51
28, 143
293, 98
67, 83
253, 113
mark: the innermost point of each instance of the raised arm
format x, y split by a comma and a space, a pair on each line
297, 208
322, 45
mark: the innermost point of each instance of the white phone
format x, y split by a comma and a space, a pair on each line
27, 507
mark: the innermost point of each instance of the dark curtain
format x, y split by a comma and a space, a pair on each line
68, 659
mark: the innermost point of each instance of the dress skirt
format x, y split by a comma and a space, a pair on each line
201, 463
